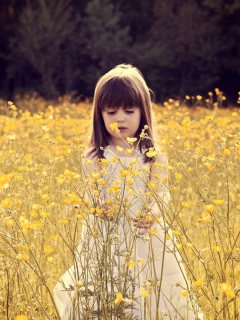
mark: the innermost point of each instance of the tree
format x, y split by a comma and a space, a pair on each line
105, 44
228, 23
44, 29
184, 46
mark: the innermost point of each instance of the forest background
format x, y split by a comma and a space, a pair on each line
58, 47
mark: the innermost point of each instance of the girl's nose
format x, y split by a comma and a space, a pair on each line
120, 117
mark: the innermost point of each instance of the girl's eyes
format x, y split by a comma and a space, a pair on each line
127, 111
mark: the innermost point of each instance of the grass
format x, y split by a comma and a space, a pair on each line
41, 207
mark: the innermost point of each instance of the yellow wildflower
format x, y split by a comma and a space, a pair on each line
129, 151
176, 233
144, 293
21, 317
119, 149
119, 298
4, 181
154, 232
48, 249
131, 264
199, 282
64, 221
209, 208
184, 293
22, 256
186, 122
226, 152
114, 127
7, 203
206, 217
218, 202
217, 248
131, 140
226, 287
104, 162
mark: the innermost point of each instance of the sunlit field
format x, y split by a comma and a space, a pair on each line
42, 209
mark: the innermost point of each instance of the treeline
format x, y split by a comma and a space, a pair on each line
63, 46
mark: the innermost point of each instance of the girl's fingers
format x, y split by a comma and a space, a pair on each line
143, 231
143, 224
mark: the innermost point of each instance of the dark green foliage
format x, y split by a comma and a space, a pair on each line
61, 46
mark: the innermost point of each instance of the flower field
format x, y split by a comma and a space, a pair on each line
41, 207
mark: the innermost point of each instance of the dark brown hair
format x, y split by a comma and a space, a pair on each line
123, 86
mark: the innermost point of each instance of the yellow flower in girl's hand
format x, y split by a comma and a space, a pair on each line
114, 127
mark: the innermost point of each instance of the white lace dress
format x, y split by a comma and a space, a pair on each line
118, 274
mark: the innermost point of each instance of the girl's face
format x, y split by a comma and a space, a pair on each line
128, 121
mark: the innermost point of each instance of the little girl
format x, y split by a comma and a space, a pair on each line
126, 264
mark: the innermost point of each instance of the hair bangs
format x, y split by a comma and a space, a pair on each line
119, 92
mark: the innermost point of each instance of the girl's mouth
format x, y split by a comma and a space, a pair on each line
122, 128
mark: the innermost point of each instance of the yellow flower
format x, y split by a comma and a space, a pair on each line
217, 248
131, 264
209, 208
129, 181
119, 298
176, 233
64, 221
178, 175
154, 232
131, 140
104, 162
206, 217
226, 287
129, 151
184, 293
36, 206
168, 236
21, 317
48, 249
51, 259
22, 256
186, 204
119, 149
151, 153
45, 197
95, 174
114, 127
4, 181
186, 122
218, 202
123, 173
179, 246
25, 247
199, 282
144, 293
226, 152
148, 218
81, 216
7, 203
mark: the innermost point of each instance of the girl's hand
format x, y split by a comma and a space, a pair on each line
105, 214
142, 223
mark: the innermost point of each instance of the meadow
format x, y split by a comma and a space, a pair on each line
41, 207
